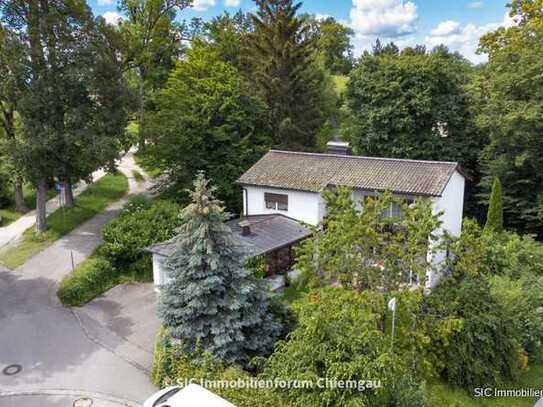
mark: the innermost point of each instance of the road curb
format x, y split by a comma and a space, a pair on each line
101, 343
71, 393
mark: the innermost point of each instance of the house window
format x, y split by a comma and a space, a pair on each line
278, 202
394, 210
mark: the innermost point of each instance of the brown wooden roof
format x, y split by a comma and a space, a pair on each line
313, 172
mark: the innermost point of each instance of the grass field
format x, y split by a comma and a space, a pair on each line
440, 395
9, 214
91, 202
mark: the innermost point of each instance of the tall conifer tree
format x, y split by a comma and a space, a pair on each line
494, 218
286, 74
211, 300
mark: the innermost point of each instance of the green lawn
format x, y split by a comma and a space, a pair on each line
91, 202
440, 395
9, 214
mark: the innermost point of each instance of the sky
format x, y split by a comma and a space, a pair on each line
456, 23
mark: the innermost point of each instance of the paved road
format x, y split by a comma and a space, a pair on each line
11, 233
65, 355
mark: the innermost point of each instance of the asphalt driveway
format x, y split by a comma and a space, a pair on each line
126, 313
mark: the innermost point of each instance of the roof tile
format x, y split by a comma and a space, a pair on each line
313, 172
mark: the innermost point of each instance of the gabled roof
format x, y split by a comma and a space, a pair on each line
268, 233
313, 172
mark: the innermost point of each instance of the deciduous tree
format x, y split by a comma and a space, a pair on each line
207, 119
363, 248
72, 95
511, 116
152, 43
416, 105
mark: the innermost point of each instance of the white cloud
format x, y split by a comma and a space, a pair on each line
446, 28
105, 2
390, 18
203, 5
475, 4
321, 17
465, 39
387, 20
112, 17
232, 3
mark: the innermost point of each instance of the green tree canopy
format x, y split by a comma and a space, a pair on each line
511, 116
416, 105
494, 218
367, 248
152, 42
206, 119
212, 303
342, 335
334, 44
72, 128
286, 74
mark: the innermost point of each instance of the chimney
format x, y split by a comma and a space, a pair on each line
339, 147
245, 228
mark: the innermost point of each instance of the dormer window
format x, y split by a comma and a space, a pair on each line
278, 202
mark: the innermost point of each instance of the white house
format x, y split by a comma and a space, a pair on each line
291, 183
283, 191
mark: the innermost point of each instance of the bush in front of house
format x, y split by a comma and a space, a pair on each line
91, 278
258, 265
484, 349
478, 252
344, 335
140, 225
171, 365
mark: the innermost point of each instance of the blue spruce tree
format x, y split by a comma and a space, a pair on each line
212, 302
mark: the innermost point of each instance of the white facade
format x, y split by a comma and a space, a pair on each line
307, 207
310, 207
160, 276
451, 206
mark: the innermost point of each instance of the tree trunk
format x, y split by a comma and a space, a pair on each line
67, 193
20, 205
41, 224
141, 113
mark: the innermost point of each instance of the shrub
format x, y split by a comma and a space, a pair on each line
258, 265
489, 253
139, 226
136, 203
522, 300
341, 335
171, 366
483, 350
91, 278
